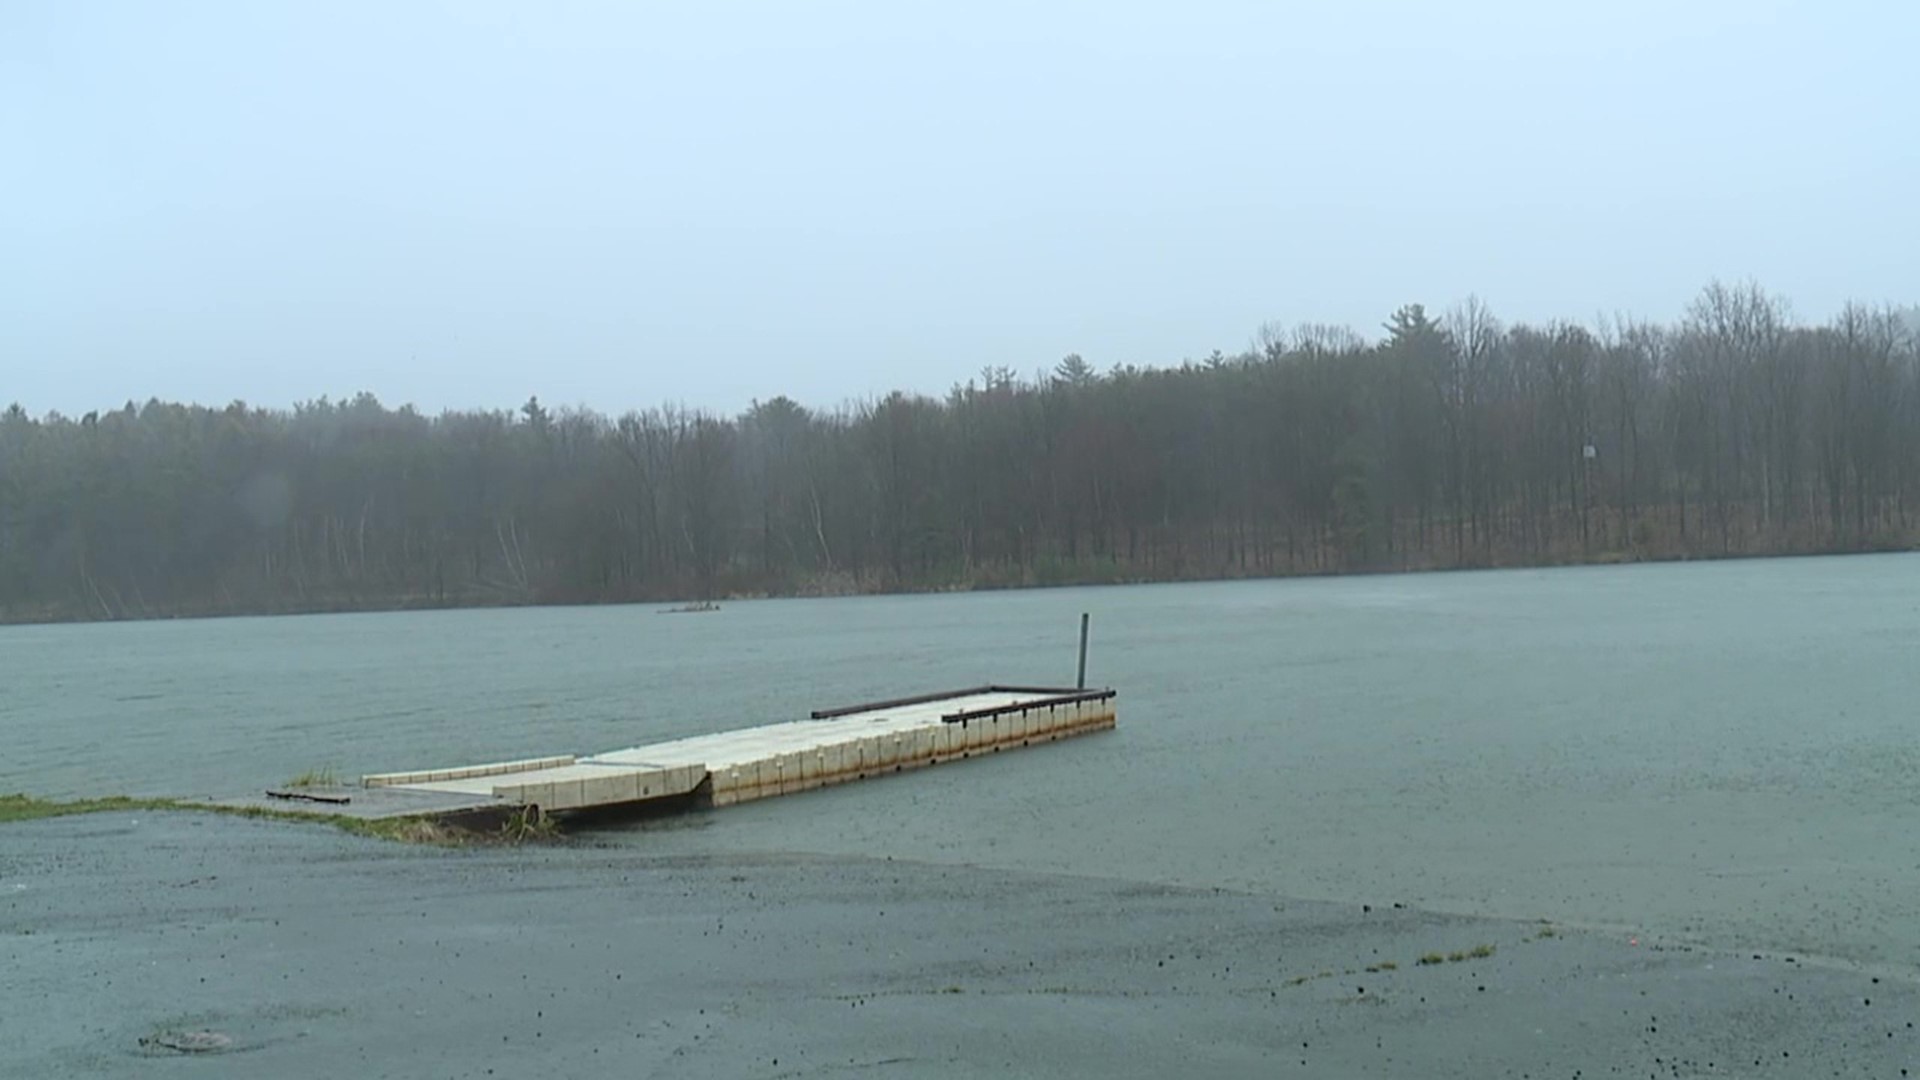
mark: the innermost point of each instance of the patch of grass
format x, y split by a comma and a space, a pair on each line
1478, 952
1547, 932
406, 830
28, 808
1386, 965
523, 827
320, 777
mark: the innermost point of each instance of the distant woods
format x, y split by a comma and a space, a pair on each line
1452, 441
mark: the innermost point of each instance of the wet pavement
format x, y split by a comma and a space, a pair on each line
183, 944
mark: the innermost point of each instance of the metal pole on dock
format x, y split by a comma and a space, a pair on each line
1081, 682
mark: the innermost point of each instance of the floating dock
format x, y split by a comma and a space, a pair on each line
832, 746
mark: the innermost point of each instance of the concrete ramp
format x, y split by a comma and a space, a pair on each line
464, 772
577, 785
596, 784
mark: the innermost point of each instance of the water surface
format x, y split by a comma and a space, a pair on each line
1721, 751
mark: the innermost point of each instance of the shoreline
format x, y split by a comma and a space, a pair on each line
404, 605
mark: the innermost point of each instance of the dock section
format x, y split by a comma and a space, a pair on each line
832, 746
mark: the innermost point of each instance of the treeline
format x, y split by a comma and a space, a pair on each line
1452, 441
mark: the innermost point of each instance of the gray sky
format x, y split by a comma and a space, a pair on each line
623, 204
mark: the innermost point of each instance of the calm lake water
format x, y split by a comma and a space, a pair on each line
1724, 752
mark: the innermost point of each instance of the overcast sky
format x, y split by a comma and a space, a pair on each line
625, 204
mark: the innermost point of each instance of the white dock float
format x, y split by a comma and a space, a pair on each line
833, 746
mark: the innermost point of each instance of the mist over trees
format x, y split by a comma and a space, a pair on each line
1452, 441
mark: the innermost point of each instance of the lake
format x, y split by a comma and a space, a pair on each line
1722, 752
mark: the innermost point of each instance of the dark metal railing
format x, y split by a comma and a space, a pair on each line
943, 695
1066, 697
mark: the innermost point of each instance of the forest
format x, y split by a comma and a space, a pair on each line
1449, 441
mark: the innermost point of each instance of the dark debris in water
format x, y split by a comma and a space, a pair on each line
188, 1042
